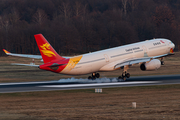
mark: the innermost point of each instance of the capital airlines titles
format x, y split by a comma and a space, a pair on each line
136, 48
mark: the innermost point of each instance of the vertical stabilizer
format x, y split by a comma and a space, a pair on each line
47, 51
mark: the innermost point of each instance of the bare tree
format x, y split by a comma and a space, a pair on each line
133, 4
4, 22
5, 25
15, 17
124, 3
65, 8
78, 8
84, 13
40, 17
163, 14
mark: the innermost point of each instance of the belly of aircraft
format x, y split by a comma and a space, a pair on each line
83, 69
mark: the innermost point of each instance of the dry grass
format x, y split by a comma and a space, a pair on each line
153, 103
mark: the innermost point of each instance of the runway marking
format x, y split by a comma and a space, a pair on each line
100, 84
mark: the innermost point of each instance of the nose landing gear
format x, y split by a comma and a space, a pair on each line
162, 62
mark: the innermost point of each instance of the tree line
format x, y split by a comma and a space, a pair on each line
81, 26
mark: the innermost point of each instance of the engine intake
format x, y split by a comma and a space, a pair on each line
152, 65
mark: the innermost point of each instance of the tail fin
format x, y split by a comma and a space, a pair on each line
47, 52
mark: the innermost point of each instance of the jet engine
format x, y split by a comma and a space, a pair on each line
152, 65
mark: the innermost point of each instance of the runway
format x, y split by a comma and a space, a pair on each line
72, 83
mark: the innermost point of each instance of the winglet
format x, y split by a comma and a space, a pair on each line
7, 52
47, 51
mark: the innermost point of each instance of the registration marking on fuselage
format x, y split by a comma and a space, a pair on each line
100, 84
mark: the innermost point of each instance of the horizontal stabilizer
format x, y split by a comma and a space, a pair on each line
32, 65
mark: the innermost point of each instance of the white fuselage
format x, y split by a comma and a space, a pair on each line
105, 60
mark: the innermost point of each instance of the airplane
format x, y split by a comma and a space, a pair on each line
145, 53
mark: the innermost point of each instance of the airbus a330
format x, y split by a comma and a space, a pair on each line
145, 53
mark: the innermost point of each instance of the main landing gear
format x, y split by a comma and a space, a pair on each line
94, 76
124, 74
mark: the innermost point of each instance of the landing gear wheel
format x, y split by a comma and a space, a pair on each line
97, 75
128, 75
124, 78
93, 77
119, 78
93, 74
162, 63
90, 78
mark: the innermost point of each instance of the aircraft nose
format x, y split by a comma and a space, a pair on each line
172, 45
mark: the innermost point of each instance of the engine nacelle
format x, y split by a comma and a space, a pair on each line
152, 65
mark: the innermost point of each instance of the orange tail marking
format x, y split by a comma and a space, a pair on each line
72, 63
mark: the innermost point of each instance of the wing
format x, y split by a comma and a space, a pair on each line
138, 60
26, 55
32, 65
23, 55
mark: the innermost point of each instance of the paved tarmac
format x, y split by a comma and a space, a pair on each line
72, 83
